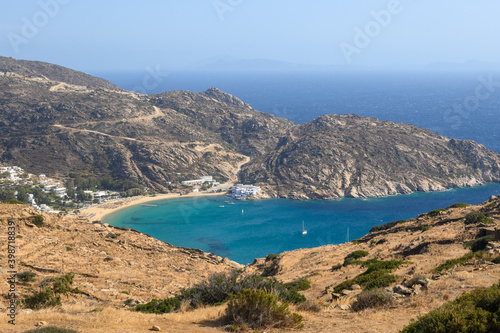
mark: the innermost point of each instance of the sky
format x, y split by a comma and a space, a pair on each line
126, 35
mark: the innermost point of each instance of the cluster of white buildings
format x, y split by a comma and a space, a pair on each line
101, 195
200, 181
50, 185
42, 207
241, 192
14, 173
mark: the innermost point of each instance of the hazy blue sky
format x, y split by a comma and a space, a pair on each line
96, 35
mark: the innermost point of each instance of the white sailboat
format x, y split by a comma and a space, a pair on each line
304, 231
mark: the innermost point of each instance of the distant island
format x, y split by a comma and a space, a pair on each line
58, 121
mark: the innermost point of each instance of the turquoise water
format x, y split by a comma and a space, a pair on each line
252, 229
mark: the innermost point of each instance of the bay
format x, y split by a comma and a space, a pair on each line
244, 230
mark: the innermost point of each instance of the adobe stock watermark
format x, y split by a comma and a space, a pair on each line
40, 19
364, 36
151, 81
484, 90
11, 270
223, 6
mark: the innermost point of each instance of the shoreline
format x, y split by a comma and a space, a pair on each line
98, 212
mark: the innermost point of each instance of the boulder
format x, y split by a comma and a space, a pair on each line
402, 290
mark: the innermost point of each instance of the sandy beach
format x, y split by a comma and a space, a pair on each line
97, 212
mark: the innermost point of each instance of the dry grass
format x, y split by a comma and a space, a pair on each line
89, 320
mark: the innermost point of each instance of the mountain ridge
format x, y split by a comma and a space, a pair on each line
51, 126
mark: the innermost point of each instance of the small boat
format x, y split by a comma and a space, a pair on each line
149, 205
304, 231
221, 206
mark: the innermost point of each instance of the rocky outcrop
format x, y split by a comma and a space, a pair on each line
338, 156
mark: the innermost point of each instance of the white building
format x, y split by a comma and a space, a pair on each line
241, 192
201, 180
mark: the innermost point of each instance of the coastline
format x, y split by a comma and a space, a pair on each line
98, 212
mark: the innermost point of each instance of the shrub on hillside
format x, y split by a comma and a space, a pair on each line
260, 309
26, 276
458, 205
217, 288
373, 280
436, 212
38, 220
477, 217
160, 306
375, 298
50, 296
13, 202
450, 263
44, 298
477, 311
376, 275
336, 267
387, 225
353, 256
480, 243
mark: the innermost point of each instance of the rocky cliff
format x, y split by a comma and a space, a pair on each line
338, 156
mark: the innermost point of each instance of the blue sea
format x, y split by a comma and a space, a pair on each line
458, 105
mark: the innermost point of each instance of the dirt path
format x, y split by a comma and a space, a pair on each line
71, 129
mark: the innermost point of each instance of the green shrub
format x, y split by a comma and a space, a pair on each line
260, 309
41, 299
477, 312
375, 298
298, 285
217, 288
377, 265
387, 225
49, 296
271, 256
496, 260
480, 243
26, 276
462, 260
458, 205
373, 280
13, 202
477, 217
436, 212
336, 267
38, 220
160, 306
353, 256
376, 276
63, 284
51, 329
